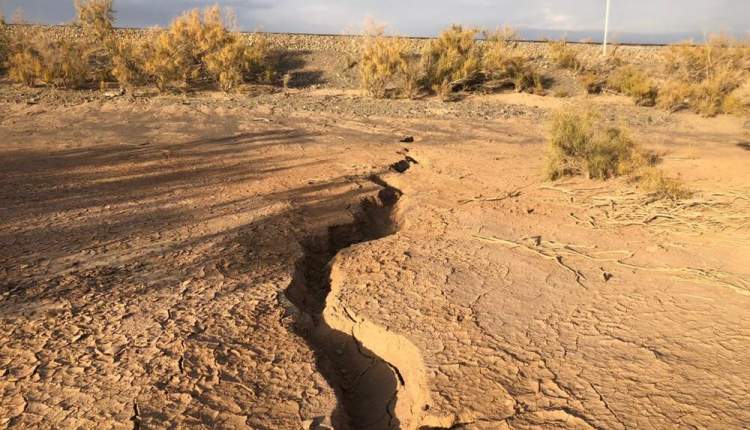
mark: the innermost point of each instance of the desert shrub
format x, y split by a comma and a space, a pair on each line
580, 142
499, 45
592, 82
34, 58
706, 78
64, 64
129, 58
96, 17
518, 72
675, 95
501, 62
454, 55
4, 42
713, 95
655, 183
387, 62
717, 94
198, 47
738, 101
237, 59
24, 65
564, 55
695, 63
634, 83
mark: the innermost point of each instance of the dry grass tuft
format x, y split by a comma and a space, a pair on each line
453, 56
564, 55
707, 79
657, 185
387, 64
580, 142
503, 64
592, 82
634, 83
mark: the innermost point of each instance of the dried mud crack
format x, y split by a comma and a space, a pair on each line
377, 375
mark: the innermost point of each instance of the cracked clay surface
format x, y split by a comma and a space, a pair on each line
209, 265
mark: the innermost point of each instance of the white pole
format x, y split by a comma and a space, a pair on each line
606, 30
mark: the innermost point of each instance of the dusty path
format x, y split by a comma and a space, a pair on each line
166, 265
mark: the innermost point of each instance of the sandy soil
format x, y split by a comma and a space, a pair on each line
214, 262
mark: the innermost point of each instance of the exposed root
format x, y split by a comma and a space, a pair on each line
557, 251
713, 212
508, 195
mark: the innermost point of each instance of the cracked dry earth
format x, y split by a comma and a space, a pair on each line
165, 265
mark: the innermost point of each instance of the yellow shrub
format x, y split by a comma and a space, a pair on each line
706, 78
564, 55
96, 17
199, 47
654, 182
518, 72
501, 62
738, 102
592, 82
4, 41
387, 62
128, 61
453, 56
711, 96
35, 58
65, 64
25, 66
634, 83
695, 63
675, 95
499, 45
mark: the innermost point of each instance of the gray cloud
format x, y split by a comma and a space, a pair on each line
426, 17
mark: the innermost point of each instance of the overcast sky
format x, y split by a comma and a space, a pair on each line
426, 17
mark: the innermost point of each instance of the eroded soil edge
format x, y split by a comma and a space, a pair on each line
378, 375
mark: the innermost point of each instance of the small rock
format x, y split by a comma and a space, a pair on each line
401, 166
407, 139
607, 276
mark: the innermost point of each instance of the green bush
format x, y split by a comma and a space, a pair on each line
580, 143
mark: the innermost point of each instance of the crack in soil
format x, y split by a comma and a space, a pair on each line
370, 386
